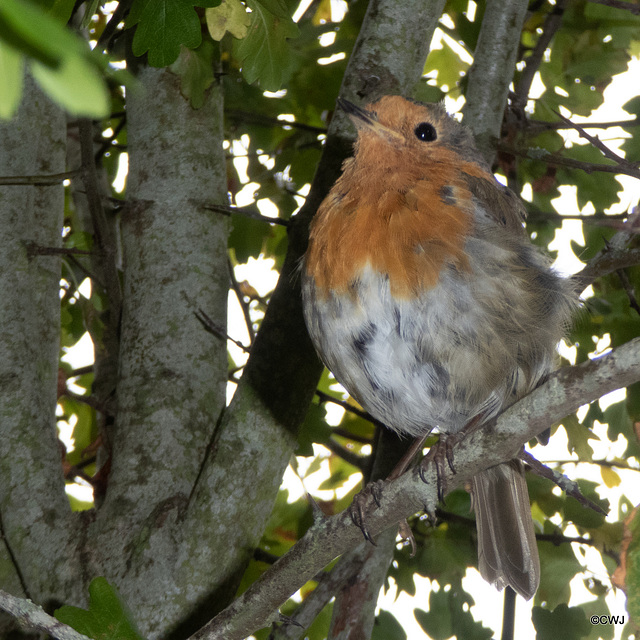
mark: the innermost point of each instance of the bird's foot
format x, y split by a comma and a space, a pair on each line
361, 504
440, 454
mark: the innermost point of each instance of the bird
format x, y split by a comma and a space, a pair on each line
424, 296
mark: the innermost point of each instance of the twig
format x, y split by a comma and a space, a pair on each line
245, 211
325, 397
34, 249
243, 305
90, 401
615, 254
540, 124
568, 486
40, 180
611, 221
562, 161
558, 539
620, 4
81, 371
620, 464
87, 272
267, 121
107, 143
217, 331
589, 218
596, 142
630, 290
30, 616
359, 462
102, 234
328, 585
344, 433
555, 537
604, 263
551, 24
110, 28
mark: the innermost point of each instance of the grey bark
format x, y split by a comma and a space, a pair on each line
172, 380
492, 70
37, 524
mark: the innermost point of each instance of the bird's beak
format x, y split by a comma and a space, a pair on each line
364, 119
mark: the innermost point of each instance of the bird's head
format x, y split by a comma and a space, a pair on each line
413, 129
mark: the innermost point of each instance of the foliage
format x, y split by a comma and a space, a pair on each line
106, 618
59, 60
255, 49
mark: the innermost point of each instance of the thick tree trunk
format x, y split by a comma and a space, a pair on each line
172, 380
37, 524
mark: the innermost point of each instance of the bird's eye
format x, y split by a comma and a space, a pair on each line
426, 132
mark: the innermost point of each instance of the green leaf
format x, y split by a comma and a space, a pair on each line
449, 615
247, 236
448, 65
21, 25
231, 16
563, 622
11, 72
578, 436
62, 10
60, 60
264, 53
76, 86
631, 146
598, 607
313, 429
386, 627
163, 26
446, 552
583, 516
195, 69
277, 7
106, 618
558, 566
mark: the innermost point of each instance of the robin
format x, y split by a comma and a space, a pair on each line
425, 298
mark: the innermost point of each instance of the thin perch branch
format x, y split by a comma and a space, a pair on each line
32, 617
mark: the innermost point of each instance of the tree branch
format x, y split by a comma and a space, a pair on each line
102, 230
39, 180
561, 161
633, 7
561, 394
615, 255
601, 146
551, 24
492, 71
248, 212
546, 126
32, 617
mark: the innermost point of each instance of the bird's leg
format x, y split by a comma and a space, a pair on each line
408, 457
443, 451
360, 505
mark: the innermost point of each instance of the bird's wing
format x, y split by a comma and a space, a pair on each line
498, 201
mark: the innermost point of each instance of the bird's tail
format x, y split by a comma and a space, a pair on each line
507, 549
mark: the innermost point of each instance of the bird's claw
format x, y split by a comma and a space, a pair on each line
440, 452
359, 507
407, 536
